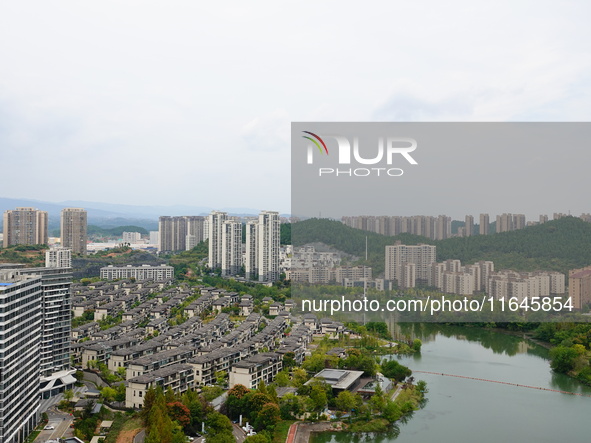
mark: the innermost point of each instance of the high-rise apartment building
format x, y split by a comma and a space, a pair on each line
251, 262
73, 227
579, 287
162, 273
510, 222
180, 233
442, 227
215, 221
469, 225
172, 233
518, 221
261, 258
25, 226
196, 231
154, 238
58, 258
131, 237
231, 247
435, 228
56, 308
20, 338
268, 242
484, 224
398, 256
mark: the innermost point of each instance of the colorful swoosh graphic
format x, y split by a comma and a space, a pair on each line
316, 142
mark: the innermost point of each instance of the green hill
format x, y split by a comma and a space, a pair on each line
558, 245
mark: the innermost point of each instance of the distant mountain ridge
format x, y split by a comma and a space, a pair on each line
110, 214
557, 245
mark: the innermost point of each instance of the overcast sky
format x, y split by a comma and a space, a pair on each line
143, 102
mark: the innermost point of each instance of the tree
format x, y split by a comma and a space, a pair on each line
290, 407
315, 363
391, 411
254, 402
300, 376
238, 391
347, 401
267, 417
563, 359
393, 369
120, 396
258, 438
220, 377
289, 360
197, 407
121, 372
282, 379
108, 394
224, 437
416, 345
68, 395
217, 423
180, 413
153, 436
149, 400
422, 387
170, 395
379, 328
318, 397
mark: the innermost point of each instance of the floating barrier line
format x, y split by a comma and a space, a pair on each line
504, 383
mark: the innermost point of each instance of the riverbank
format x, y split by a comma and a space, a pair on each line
461, 409
524, 335
404, 401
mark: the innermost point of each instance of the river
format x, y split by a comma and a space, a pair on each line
464, 410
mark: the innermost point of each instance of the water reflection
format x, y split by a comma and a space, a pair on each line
497, 341
468, 409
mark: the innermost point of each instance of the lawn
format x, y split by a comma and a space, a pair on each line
123, 424
281, 430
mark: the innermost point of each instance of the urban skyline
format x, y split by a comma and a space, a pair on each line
175, 118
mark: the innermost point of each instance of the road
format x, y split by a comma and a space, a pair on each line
60, 421
238, 433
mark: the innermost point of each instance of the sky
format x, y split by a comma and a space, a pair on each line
164, 103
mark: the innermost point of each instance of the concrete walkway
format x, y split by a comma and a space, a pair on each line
45, 404
302, 431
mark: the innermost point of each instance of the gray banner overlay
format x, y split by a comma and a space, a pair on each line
366, 196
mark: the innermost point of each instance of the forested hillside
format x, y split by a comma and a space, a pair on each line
557, 245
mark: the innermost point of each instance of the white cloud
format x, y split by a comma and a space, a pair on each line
175, 97
269, 132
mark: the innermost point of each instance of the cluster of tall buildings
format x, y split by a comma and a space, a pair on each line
409, 265
25, 226
259, 254
510, 222
35, 325
521, 285
435, 228
439, 228
579, 287
234, 246
29, 226
324, 274
181, 233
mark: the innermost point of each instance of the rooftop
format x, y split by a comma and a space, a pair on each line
338, 378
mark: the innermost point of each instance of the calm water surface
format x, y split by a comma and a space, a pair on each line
461, 410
